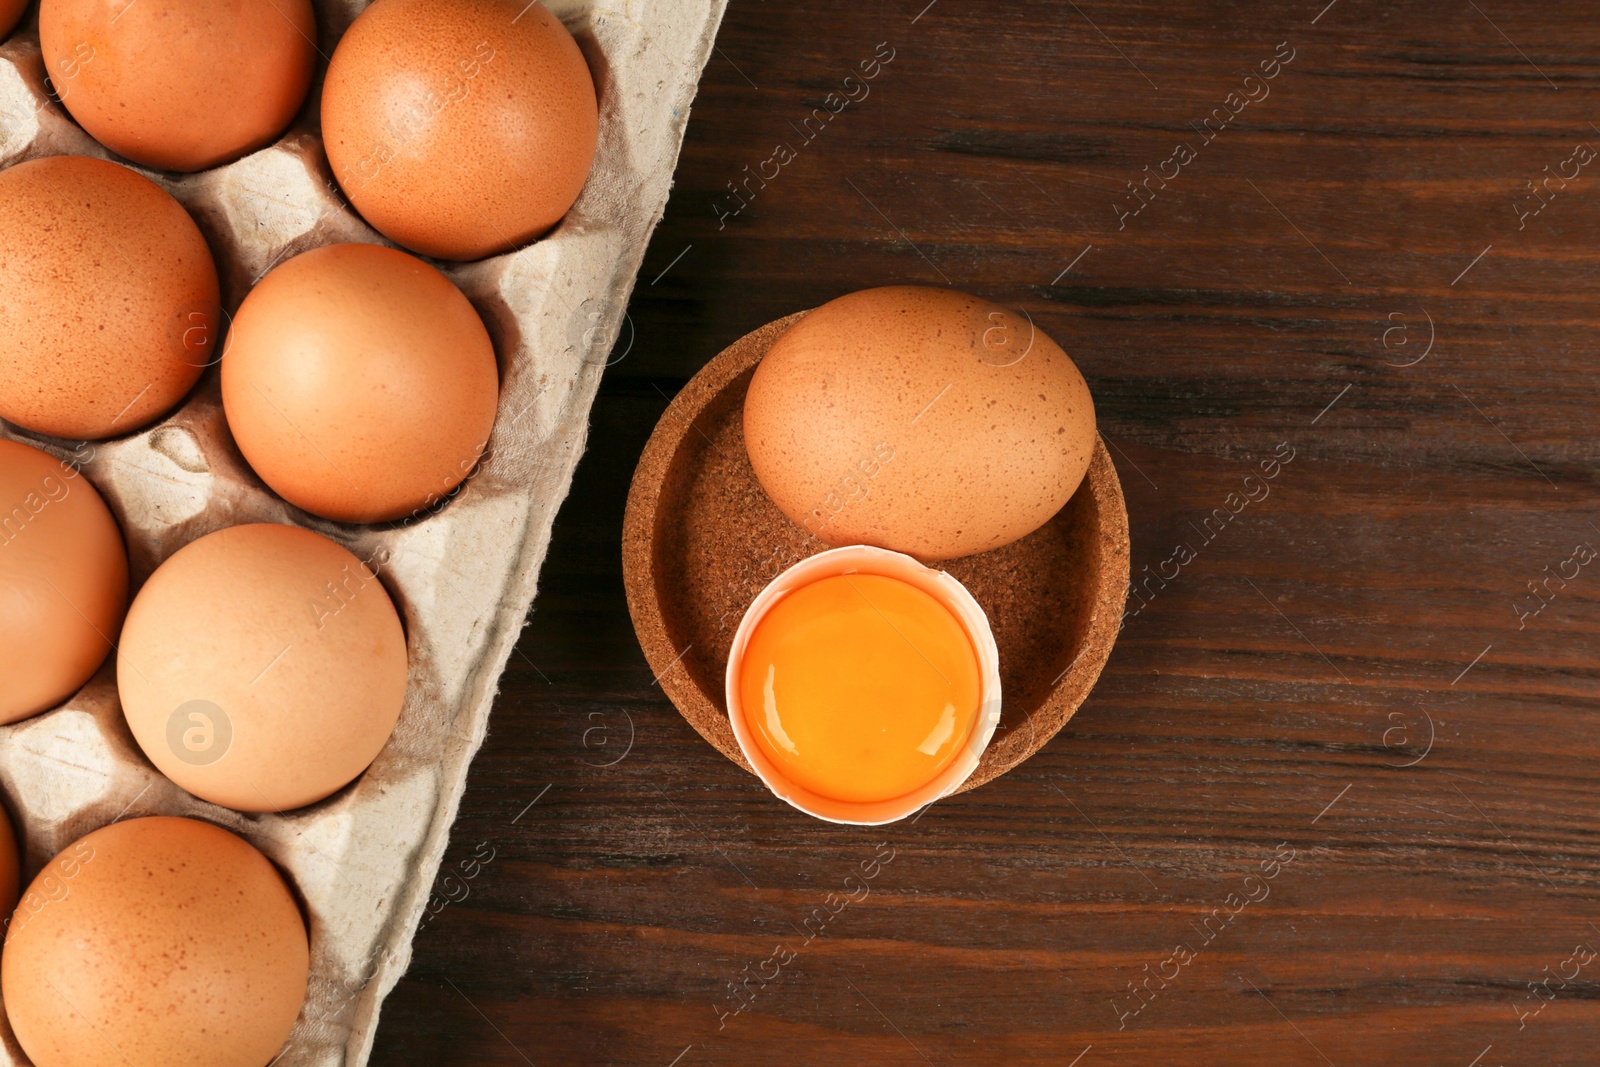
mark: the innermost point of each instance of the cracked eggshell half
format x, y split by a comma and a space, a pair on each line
857, 560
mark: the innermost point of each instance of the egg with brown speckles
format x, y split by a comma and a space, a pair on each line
179, 84
921, 420
360, 383
109, 301
63, 580
460, 128
155, 941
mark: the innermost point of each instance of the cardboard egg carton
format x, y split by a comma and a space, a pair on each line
463, 577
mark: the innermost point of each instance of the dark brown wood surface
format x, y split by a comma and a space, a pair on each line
1345, 686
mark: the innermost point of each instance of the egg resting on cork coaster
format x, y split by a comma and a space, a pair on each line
701, 539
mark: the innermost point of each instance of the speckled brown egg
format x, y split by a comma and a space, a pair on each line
459, 128
11, 14
63, 580
921, 420
155, 942
108, 298
262, 667
179, 84
359, 383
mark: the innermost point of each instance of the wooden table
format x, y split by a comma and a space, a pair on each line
1332, 800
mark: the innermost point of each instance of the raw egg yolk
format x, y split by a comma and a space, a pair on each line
859, 687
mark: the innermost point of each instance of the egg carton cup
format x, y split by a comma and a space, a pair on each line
463, 576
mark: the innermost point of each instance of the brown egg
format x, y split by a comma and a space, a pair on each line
108, 298
155, 942
11, 14
359, 383
179, 84
459, 128
921, 420
63, 580
262, 667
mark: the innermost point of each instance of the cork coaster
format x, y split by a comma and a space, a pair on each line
701, 538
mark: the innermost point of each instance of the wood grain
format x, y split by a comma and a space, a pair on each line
1349, 668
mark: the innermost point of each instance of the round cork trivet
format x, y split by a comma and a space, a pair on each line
701, 539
